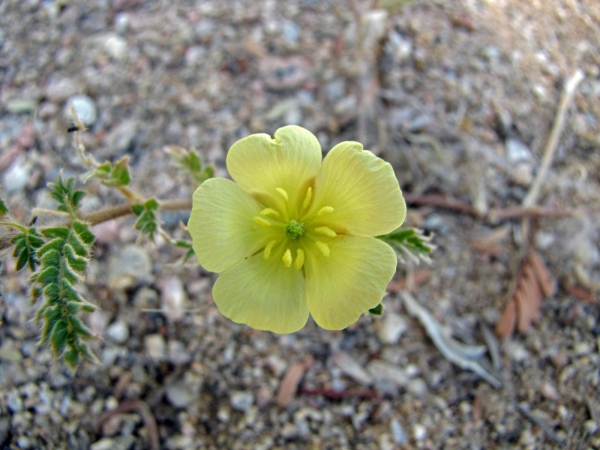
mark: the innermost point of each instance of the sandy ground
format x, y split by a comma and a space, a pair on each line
459, 96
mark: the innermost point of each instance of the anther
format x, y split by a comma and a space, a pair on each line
269, 212
283, 193
262, 222
299, 259
325, 210
307, 198
287, 258
323, 247
268, 248
326, 231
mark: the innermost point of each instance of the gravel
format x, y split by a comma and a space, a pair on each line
459, 99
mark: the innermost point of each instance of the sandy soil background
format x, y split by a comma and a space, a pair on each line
460, 96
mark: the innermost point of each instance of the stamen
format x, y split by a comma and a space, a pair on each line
307, 198
262, 222
325, 210
299, 259
287, 258
323, 247
269, 212
268, 249
326, 231
283, 193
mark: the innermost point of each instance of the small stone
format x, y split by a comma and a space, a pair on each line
181, 395
419, 432
392, 328
352, 368
284, 73
103, 444
291, 32
417, 387
590, 426
115, 46
84, 107
549, 391
14, 401
223, 415
516, 351
156, 347
398, 432
15, 178
388, 372
516, 151
130, 266
60, 89
242, 400
522, 174
119, 139
23, 442
118, 332
178, 354
173, 298
290, 431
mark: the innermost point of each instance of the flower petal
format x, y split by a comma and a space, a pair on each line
290, 161
265, 295
362, 189
222, 226
349, 282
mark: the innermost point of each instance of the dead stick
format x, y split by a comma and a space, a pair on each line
559, 123
493, 215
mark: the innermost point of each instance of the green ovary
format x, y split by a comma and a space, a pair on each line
294, 229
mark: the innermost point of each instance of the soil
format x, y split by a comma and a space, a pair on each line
460, 97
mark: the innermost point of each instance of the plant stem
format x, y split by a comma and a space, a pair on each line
115, 212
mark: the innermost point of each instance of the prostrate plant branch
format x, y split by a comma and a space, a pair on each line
115, 212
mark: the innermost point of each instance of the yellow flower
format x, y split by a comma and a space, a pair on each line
294, 235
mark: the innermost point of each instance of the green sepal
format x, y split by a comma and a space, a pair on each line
377, 311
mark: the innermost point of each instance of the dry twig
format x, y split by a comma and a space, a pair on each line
559, 122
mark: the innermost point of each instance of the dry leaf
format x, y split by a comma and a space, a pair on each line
291, 380
543, 275
508, 320
534, 282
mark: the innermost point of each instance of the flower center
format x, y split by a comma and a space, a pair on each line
294, 229
298, 237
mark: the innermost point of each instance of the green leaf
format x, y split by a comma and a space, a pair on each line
83, 232
79, 328
48, 276
26, 245
72, 358
147, 221
58, 338
189, 160
409, 242
65, 194
57, 232
3, 208
377, 311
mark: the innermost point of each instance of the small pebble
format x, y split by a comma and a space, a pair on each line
156, 347
118, 332
419, 432
398, 432
242, 400
84, 107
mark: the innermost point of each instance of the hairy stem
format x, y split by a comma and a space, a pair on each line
115, 212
